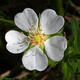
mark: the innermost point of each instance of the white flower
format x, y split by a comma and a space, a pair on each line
27, 21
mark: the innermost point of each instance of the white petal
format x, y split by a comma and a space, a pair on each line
26, 19
55, 47
35, 59
16, 48
13, 36
51, 22
15, 41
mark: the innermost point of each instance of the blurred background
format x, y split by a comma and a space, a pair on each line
11, 67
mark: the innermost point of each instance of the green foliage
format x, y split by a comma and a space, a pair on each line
75, 33
70, 62
69, 69
78, 74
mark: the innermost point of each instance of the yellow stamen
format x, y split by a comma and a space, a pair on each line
40, 25
22, 33
25, 41
29, 37
37, 38
30, 29
33, 27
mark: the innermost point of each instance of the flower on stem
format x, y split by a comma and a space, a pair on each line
50, 23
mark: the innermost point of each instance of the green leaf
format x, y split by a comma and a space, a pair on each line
67, 70
73, 63
75, 33
74, 40
79, 66
78, 75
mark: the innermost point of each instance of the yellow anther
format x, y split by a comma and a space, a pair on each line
33, 27
25, 41
22, 33
30, 29
40, 25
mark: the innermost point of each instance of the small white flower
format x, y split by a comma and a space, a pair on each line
55, 46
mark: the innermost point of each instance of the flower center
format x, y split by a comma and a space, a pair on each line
37, 38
